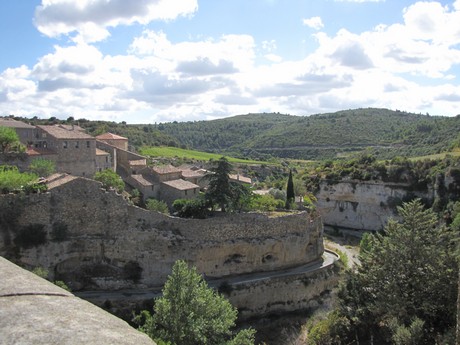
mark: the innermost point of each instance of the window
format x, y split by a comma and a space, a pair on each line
106, 159
43, 135
88, 144
77, 144
65, 144
185, 192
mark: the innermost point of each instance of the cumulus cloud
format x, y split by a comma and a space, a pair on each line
314, 23
91, 18
407, 65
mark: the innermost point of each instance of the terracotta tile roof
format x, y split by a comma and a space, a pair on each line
189, 173
141, 180
57, 180
62, 133
100, 152
12, 123
165, 169
110, 136
240, 178
181, 184
72, 127
36, 151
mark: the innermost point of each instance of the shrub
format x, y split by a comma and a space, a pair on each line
195, 208
110, 179
42, 167
157, 205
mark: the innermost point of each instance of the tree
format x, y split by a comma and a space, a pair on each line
42, 167
110, 179
290, 195
157, 205
8, 137
407, 273
189, 312
220, 191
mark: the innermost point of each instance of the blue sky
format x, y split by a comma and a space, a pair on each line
146, 61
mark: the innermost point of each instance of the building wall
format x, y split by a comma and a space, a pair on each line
169, 194
74, 156
104, 162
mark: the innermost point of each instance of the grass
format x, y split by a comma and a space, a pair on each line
454, 153
171, 152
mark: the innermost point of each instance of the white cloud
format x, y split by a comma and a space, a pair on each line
89, 19
313, 22
407, 66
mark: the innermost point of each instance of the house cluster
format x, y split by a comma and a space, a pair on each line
79, 154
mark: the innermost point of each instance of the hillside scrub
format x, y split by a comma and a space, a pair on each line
386, 133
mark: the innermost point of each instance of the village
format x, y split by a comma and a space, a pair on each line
79, 154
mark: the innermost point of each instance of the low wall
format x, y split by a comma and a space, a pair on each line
35, 311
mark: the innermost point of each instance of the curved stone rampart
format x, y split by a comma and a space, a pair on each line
93, 239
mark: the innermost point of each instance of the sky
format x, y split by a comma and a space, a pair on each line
152, 61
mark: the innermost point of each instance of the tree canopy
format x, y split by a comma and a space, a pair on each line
407, 277
220, 191
110, 179
8, 137
42, 167
189, 313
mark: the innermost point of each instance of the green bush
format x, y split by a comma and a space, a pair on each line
195, 208
110, 179
157, 205
12, 180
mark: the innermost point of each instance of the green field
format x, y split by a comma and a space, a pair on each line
172, 152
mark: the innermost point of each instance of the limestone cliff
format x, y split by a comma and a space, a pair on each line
362, 205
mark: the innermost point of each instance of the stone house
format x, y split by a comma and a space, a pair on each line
74, 151
26, 132
114, 140
164, 182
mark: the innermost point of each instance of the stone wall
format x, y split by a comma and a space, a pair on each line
284, 294
93, 239
362, 205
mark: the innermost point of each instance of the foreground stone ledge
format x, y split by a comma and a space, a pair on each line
35, 311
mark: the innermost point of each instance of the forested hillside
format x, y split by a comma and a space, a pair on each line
382, 132
387, 133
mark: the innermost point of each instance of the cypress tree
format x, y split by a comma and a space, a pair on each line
290, 195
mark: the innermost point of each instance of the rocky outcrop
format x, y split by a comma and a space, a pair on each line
93, 239
362, 205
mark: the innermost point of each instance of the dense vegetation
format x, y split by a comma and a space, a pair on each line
404, 291
385, 132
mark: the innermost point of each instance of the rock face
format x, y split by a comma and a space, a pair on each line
362, 205
92, 239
